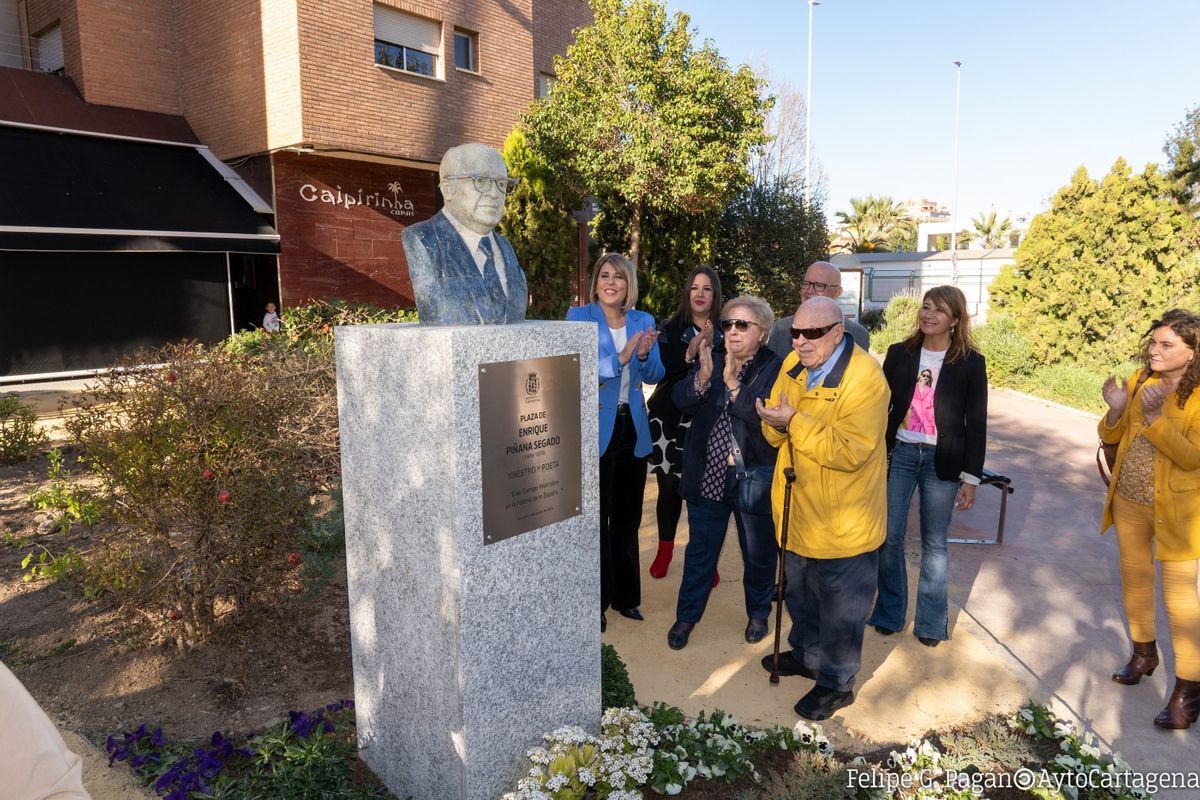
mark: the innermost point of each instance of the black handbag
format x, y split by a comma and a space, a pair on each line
753, 483
753, 486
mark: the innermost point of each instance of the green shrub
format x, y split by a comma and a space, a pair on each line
20, 436
990, 745
615, 688
70, 502
1006, 348
899, 320
1070, 384
310, 327
209, 465
810, 776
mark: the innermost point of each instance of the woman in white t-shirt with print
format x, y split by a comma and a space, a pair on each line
936, 437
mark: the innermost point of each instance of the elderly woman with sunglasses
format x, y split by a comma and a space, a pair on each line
727, 467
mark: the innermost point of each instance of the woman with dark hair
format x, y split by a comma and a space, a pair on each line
693, 326
728, 467
936, 437
1154, 501
628, 352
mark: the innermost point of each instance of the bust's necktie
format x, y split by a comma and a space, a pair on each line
491, 278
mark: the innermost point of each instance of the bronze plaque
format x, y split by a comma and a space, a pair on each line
529, 440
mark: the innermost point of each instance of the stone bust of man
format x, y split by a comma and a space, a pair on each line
463, 272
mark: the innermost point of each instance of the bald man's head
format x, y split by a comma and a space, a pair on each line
821, 279
817, 329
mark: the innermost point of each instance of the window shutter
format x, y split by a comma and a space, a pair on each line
50, 50
411, 31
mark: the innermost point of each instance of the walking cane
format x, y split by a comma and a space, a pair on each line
789, 477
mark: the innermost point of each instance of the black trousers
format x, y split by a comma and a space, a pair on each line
622, 487
669, 507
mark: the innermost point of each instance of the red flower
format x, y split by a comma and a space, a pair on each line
208, 473
224, 496
170, 377
294, 558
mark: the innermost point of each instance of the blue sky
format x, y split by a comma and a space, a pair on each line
1046, 87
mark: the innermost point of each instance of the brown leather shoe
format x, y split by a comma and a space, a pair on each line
1142, 662
1182, 708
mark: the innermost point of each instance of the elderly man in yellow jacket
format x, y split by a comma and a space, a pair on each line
827, 414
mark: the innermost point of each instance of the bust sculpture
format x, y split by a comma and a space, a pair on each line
462, 271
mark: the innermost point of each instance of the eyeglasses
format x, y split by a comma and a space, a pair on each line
482, 182
813, 333
740, 324
817, 287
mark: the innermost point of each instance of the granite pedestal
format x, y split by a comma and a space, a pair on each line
464, 653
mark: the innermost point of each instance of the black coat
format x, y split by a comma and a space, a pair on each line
959, 408
743, 416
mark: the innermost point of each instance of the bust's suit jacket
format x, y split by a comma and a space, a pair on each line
648, 371
447, 283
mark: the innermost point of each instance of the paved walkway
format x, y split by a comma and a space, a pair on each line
1039, 616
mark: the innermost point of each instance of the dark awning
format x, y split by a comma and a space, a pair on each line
65, 191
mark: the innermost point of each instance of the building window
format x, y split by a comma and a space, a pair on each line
544, 82
407, 42
50, 51
466, 46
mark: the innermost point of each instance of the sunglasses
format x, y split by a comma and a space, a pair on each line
813, 333
740, 324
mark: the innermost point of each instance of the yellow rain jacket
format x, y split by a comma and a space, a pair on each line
836, 443
1176, 439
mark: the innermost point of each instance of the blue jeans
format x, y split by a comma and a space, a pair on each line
911, 468
827, 599
707, 523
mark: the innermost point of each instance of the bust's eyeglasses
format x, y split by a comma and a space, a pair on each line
816, 287
813, 333
740, 324
482, 182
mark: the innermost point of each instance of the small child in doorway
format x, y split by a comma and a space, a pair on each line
271, 319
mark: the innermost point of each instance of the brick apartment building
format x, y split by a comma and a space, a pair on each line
321, 121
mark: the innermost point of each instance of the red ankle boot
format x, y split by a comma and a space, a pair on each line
663, 560
1142, 662
1182, 708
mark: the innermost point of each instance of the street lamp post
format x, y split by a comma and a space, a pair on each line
808, 109
954, 208
583, 215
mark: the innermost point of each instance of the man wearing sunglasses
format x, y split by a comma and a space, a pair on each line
464, 273
827, 414
821, 279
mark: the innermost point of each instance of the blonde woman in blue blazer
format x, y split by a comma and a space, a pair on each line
628, 358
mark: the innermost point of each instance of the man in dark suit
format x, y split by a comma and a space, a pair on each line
463, 273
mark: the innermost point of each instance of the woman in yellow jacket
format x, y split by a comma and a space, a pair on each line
1154, 500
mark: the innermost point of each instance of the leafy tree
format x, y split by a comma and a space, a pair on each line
1093, 271
537, 220
991, 231
874, 222
1183, 150
766, 237
672, 243
642, 116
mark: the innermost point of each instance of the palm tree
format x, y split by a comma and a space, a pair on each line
993, 233
875, 223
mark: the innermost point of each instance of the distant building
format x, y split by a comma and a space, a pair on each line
888, 274
924, 210
323, 123
934, 236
